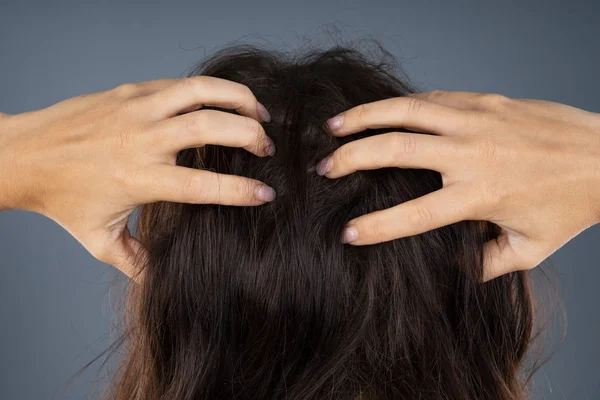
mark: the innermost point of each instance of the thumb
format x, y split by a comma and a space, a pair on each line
507, 253
125, 252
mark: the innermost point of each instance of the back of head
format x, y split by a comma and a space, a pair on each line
267, 303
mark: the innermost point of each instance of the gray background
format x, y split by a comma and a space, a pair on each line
55, 302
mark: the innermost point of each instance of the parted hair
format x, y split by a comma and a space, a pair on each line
266, 302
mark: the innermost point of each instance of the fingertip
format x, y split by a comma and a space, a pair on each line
265, 193
270, 147
264, 115
325, 166
349, 233
334, 124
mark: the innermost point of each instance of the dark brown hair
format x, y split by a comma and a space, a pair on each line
267, 303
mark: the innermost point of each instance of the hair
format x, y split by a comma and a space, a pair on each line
266, 302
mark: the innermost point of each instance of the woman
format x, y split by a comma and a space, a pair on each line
268, 302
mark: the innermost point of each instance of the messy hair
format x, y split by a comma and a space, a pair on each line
266, 302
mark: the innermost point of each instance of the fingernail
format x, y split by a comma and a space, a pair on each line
270, 148
335, 122
263, 113
350, 234
325, 166
265, 193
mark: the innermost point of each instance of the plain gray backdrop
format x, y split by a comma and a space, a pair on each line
55, 302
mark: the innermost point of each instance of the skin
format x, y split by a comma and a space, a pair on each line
530, 166
89, 161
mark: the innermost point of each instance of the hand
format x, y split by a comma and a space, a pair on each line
530, 166
87, 162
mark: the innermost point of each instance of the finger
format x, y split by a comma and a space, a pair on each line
406, 112
394, 149
198, 91
203, 127
188, 185
508, 253
434, 210
123, 251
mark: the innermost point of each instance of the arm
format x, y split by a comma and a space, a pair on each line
530, 166
89, 161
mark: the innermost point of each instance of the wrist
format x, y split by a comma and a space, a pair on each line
12, 195
5, 203
595, 181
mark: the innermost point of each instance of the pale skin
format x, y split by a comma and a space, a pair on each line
530, 166
89, 161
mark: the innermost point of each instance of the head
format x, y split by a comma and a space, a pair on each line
266, 302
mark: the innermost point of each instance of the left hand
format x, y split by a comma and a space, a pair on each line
530, 166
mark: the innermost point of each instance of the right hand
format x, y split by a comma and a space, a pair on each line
89, 161
530, 166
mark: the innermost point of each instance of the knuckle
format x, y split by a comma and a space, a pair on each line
409, 143
244, 96
126, 90
436, 94
192, 190
413, 105
493, 99
421, 217
257, 133
360, 113
403, 144
246, 93
194, 122
394, 147
346, 155
192, 83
